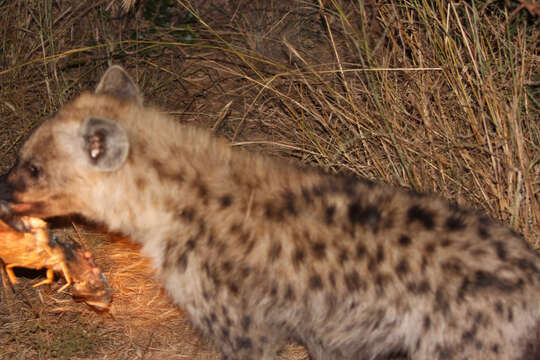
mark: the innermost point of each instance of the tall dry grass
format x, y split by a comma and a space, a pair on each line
435, 96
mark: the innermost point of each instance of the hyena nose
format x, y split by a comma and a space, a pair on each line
6, 190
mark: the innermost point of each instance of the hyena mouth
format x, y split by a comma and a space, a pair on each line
26, 208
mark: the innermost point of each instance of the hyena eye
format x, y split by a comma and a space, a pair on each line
33, 170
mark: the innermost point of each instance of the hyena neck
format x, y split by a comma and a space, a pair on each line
171, 187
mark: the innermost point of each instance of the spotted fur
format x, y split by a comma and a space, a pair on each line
260, 252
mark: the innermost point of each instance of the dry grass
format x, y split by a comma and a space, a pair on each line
435, 96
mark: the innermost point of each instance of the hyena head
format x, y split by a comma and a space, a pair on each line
67, 160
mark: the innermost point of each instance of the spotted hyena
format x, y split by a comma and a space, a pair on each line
260, 252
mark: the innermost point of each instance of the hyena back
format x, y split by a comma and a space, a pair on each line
260, 252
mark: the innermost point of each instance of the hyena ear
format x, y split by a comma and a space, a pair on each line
118, 83
106, 144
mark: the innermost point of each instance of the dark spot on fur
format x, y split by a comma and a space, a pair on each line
306, 195
452, 267
446, 242
353, 281
364, 215
225, 333
317, 190
525, 265
420, 288
441, 302
430, 247
532, 350
245, 271
164, 173
469, 335
246, 322
243, 238
423, 216
274, 289
202, 190
315, 282
478, 253
220, 246
402, 267
272, 212
510, 316
483, 232
202, 228
454, 223
495, 348
234, 288
427, 322
182, 261
289, 200
444, 352
141, 183
500, 249
226, 266
243, 342
329, 213
404, 240
188, 214
360, 251
289, 293
235, 228
463, 288
483, 279
274, 251
499, 307
380, 254
225, 201
159, 166
319, 250
191, 243
372, 264
343, 256
298, 257
249, 247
